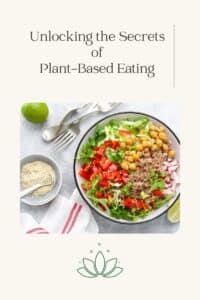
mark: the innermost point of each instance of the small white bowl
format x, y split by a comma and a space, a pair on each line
41, 200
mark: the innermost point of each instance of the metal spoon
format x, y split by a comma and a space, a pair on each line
50, 133
32, 189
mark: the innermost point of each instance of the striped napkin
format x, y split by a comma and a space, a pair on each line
63, 216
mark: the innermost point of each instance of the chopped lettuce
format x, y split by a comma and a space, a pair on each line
87, 151
161, 202
135, 124
114, 155
156, 182
127, 188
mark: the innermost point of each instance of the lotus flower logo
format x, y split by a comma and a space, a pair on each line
99, 267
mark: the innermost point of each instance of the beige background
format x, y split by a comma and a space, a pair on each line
157, 266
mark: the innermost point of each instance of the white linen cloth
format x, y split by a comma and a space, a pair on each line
63, 216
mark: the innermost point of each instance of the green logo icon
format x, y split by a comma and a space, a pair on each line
100, 267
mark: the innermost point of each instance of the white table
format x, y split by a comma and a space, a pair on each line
32, 143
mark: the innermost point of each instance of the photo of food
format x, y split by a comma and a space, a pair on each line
100, 167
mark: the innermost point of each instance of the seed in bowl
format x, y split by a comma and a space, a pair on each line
38, 172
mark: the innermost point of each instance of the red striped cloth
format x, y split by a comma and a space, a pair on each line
64, 215
70, 222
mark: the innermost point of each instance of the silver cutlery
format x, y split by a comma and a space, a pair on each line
73, 129
50, 133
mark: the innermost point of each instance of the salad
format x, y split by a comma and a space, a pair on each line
128, 168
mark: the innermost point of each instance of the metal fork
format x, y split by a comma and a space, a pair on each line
73, 129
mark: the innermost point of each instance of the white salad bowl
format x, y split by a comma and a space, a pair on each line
90, 132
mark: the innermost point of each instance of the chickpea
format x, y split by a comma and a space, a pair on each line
123, 145
133, 137
146, 150
145, 144
132, 152
142, 131
129, 141
171, 153
149, 144
153, 134
154, 147
132, 166
139, 147
165, 147
143, 139
130, 158
124, 165
162, 136
139, 154
159, 142
136, 156
152, 127
161, 129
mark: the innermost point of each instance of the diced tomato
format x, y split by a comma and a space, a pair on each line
105, 163
129, 203
124, 179
124, 132
84, 174
135, 203
124, 173
87, 168
157, 193
109, 195
100, 151
95, 169
152, 202
113, 176
108, 144
99, 194
145, 206
115, 144
104, 183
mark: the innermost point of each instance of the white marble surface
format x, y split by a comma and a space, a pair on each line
32, 143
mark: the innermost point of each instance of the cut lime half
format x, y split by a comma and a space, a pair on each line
173, 213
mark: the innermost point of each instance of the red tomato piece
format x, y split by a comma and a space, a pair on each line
99, 194
129, 203
145, 206
105, 163
84, 174
115, 144
108, 144
104, 183
157, 193
109, 195
124, 173
152, 202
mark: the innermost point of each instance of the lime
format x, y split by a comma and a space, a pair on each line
173, 214
36, 112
